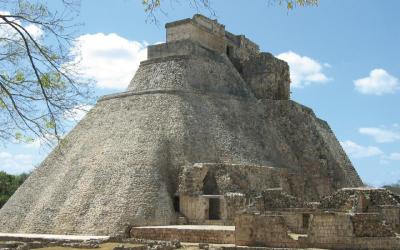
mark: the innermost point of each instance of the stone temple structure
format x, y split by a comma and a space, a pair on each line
206, 131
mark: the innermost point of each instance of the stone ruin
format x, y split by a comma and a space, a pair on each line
206, 134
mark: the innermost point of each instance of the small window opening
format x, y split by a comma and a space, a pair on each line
177, 206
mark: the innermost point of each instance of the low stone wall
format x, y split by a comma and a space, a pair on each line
391, 215
263, 230
185, 235
370, 225
346, 231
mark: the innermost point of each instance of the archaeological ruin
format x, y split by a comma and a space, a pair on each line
205, 145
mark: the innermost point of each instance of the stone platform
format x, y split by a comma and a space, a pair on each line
49, 237
187, 233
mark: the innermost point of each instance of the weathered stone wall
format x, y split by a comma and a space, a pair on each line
195, 209
370, 225
229, 178
209, 33
391, 216
185, 235
140, 140
263, 230
360, 200
178, 48
190, 73
297, 220
119, 166
276, 199
345, 231
267, 76
234, 203
322, 164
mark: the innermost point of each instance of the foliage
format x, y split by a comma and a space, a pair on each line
39, 82
9, 184
152, 6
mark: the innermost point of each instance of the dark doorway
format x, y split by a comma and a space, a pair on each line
210, 185
177, 207
214, 209
306, 220
229, 51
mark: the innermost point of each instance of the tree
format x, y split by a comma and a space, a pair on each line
152, 6
39, 82
9, 184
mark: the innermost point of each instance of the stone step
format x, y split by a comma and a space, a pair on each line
187, 233
49, 237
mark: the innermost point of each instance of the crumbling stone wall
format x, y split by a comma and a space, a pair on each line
322, 166
276, 199
251, 230
366, 200
230, 178
346, 231
235, 203
209, 33
360, 199
267, 76
391, 216
370, 225
119, 166
190, 73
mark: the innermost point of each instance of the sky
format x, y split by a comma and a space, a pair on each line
344, 58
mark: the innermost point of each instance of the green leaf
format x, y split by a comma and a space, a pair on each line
52, 80
19, 77
18, 136
51, 124
2, 104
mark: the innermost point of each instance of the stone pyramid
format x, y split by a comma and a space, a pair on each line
204, 96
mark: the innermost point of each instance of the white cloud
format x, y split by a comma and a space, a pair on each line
304, 70
109, 59
378, 82
16, 164
394, 157
78, 112
7, 31
358, 151
381, 135
35, 31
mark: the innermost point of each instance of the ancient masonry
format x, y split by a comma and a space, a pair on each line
205, 134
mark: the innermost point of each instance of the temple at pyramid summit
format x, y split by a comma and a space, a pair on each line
205, 134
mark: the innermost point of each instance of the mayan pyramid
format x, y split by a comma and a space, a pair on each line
204, 96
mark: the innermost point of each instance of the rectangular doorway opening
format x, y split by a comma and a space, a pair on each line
229, 51
306, 220
214, 209
177, 206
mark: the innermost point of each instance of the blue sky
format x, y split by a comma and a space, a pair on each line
344, 58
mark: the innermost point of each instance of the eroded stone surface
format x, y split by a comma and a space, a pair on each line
120, 166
